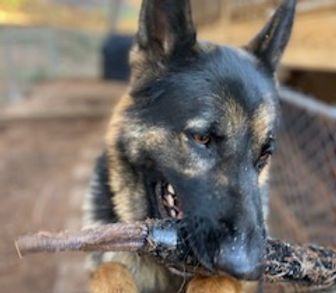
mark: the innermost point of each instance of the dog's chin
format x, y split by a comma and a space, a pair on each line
167, 201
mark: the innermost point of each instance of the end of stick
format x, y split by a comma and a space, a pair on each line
18, 251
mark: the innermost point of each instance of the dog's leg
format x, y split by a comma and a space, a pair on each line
214, 284
112, 278
219, 285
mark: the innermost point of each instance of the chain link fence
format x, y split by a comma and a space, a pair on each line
303, 182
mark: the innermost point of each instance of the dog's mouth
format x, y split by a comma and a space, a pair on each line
168, 203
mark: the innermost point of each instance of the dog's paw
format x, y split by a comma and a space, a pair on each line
214, 285
112, 278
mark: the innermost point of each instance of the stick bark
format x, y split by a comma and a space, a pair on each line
308, 265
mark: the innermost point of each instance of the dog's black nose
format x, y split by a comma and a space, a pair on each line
240, 261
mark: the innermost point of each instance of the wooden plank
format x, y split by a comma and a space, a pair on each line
313, 43
206, 11
65, 99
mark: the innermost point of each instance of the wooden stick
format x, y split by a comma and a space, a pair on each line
113, 237
308, 265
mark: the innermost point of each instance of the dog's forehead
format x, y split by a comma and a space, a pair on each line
227, 83
222, 85
221, 72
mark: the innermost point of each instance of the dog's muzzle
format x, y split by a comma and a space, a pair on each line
240, 260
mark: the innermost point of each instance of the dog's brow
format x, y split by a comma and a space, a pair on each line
234, 117
197, 123
262, 121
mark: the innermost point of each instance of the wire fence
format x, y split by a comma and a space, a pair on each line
303, 184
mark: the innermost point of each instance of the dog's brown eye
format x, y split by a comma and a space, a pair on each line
265, 155
201, 139
262, 161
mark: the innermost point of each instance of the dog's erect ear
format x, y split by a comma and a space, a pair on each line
165, 26
269, 45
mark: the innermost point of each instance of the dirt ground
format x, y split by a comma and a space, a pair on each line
45, 168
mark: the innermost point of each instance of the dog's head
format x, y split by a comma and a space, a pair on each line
201, 129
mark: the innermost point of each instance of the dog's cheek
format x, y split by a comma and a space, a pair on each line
165, 148
264, 188
138, 139
191, 162
264, 176
155, 143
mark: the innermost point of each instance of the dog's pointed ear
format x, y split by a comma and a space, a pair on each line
269, 45
165, 26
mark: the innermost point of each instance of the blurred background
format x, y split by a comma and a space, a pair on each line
63, 66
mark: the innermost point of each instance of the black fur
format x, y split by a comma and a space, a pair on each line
102, 207
165, 26
190, 85
270, 43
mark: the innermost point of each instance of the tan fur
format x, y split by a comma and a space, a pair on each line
197, 123
144, 270
222, 179
152, 139
112, 278
263, 183
264, 175
129, 195
262, 121
214, 285
205, 47
141, 61
234, 118
120, 177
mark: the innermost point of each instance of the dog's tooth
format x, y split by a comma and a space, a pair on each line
170, 200
179, 215
173, 213
171, 189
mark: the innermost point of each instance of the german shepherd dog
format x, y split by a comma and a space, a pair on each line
192, 140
